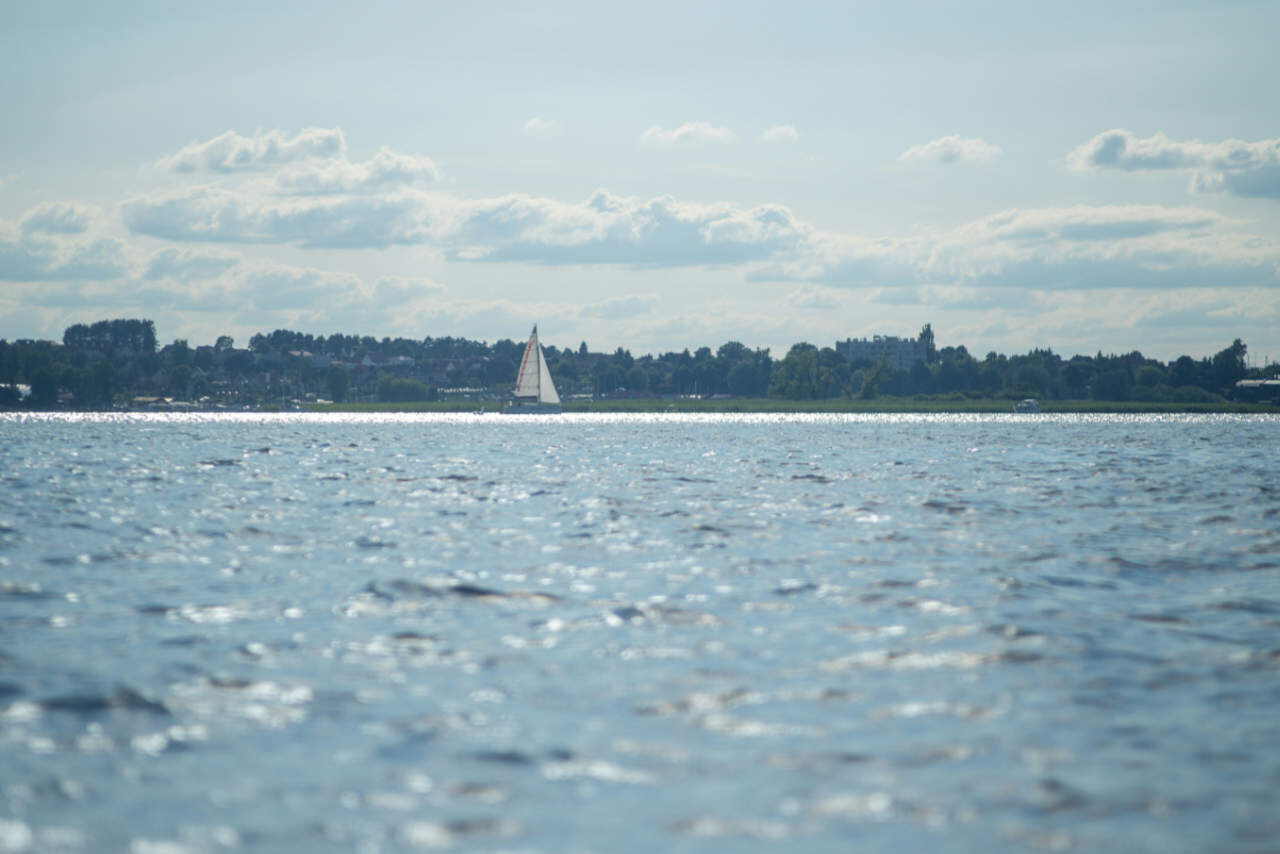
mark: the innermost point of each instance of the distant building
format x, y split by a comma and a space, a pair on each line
1259, 391
901, 353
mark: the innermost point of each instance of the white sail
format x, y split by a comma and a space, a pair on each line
527, 379
546, 388
534, 379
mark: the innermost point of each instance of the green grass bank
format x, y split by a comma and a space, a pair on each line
833, 405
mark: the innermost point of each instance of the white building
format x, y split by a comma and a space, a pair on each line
901, 353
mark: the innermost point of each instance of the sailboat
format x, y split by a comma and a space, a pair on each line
535, 392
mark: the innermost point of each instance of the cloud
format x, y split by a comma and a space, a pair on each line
605, 229
609, 229
385, 170
215, 214
236, 289
59, 218
959, 297
844, 261
406, 287
1231, 166
1120, 246
621, 307
232, 152
37, 259
1260, 183
815, 297
1120, 149
1088, 223
780, 133
687, 133
1084, 247
897, 296
950, 149
280, 287
328, 202
1115, 246
186, 265
312, 163
539, 126
331, 202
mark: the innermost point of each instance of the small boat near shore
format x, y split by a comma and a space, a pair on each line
1027, 406
535, 392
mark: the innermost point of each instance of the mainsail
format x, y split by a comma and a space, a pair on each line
534, 379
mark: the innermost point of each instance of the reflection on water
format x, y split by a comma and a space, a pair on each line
638, 632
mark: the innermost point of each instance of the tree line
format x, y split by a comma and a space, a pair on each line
113, 363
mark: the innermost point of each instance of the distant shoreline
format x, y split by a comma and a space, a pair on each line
832, 405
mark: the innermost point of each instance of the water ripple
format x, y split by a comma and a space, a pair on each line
637, 633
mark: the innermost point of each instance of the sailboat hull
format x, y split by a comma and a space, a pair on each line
532, 407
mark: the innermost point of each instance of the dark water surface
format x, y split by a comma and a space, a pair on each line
630, 633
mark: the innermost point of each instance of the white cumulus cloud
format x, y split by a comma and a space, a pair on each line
407, 287
59, 218
689, 132
610, 229
217, 214
385, 170
1078, 248
32, 260
231, 152
282, 287
950, 149
1231, 166
187, 265
816, 297
780, 133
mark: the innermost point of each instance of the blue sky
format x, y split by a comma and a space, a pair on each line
1099, 176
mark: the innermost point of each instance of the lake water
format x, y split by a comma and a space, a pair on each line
639, 633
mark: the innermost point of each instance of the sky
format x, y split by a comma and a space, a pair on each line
1095, 176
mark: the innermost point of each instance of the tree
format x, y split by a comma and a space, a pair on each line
95, 385
106, 336
637, 379
926, 344
745, 380
1032, 380
732, 352
1184, 372
1076, 375
44, 388
239, 363
920, 379
1111, 385
179, 384
224, 343
607, 378
874, 380
1149, 376
338, 382
400, 390
796, 376
682, 379
179, 352
499, 371
1229, 366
